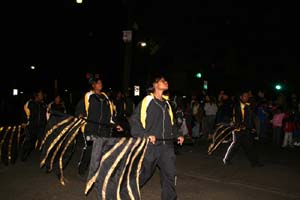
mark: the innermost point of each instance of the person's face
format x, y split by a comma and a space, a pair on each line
207, 98
98, 85
40, 96
161, 84
119, 95
57, 100
244, 97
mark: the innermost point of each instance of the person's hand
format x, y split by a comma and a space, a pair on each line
152, 139
23, 125
180, 140
119, 128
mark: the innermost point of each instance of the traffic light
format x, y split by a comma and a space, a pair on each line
205, 85
278, 87
198, 75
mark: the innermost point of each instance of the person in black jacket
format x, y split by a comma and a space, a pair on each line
153, 118
36, 120
243, 119
100, 120
56, 106
120, 115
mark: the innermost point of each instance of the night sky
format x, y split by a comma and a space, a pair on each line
233, 43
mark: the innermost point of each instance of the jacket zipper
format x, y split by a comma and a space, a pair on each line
164, 117
101, 109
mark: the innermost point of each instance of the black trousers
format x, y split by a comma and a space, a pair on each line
86, 155
245, 140
163, 157
32, 136
85, 159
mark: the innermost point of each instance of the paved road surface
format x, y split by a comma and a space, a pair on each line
200, 177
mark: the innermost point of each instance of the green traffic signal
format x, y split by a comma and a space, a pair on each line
205, 85
278, 87
198, 75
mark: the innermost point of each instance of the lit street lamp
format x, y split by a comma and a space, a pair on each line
143, 44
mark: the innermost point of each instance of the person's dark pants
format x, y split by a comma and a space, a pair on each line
263, 137
33, 137
246, 141
277, 134
100, 146
103, 144
162, 156
85, 159
210, 120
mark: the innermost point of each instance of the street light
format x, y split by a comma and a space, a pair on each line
32, 67
78, 1
143, 44
15, 92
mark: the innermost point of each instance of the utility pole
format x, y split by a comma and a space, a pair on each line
127, 38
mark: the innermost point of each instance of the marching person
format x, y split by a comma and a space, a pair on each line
153, 118
243, 119
100, 120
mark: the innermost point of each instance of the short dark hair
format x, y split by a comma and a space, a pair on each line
37, 91
93, 80
155, 78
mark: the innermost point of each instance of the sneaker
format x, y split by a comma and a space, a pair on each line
295, 144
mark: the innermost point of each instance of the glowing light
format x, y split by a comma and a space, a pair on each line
278, 87
198, 75
143, 44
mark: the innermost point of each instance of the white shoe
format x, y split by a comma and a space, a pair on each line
295, 143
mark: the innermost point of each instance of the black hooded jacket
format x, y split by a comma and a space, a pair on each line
153, 117
99, 117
